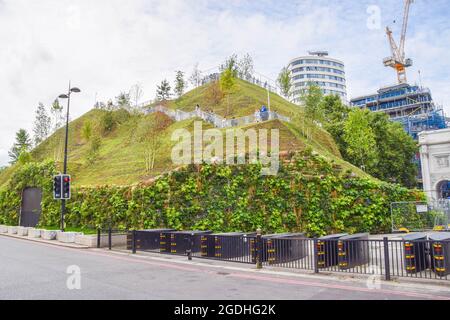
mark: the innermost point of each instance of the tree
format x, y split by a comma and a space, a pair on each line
214, 93
42, 124
231, 64
333, 110
312, 101
136, 93
335, 114
163, 91
110, 105
22, 144
396, 151
24, 157
100, 105
123, 100
150, 133
196, 76
227, 83
360, 139
107, 122
285, 82
56, 111
86, 131
94, 148
180, 84
246, 67
394, 148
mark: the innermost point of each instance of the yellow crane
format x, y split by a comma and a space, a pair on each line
398, 60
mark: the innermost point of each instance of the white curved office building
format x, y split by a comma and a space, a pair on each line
318, 68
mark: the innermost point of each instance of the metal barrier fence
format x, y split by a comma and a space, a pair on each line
412, 257
216, 120
420, 216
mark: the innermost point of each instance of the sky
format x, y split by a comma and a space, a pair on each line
106, 46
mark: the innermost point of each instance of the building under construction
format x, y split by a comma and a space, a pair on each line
412, 106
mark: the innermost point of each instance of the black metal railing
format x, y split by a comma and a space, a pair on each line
384, 258
105, 236
233, 248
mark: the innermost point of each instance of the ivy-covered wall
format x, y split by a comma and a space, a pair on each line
309, 194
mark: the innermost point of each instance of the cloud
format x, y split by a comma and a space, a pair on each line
105, 46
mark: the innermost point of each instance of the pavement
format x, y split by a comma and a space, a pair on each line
33, 270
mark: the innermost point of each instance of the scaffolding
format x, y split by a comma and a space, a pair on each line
412, 106
431, 120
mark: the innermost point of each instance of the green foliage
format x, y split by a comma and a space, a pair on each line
163, 91
107, 122
285, 82
123, 100
360, 139
86, 131
29, 175
227, 81
381, 145
180, 83
396, 149
309, 194
94, 148
42, 125
312, 101
232, 65
24, 158
22, 144
214, 94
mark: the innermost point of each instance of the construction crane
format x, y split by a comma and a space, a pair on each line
398, 60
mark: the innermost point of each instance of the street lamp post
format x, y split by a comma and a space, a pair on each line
66, 96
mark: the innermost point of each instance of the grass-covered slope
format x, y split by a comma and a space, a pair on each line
122, 152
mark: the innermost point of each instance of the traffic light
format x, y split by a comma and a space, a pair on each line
57, 187
65, 186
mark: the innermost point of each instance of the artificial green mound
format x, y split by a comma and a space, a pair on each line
122, 152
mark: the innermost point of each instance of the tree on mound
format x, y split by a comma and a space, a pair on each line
163, 91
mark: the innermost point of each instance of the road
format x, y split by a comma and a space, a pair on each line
30, 270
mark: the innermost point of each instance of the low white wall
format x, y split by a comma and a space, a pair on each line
22, 231
49, 234
12, 230
3, 229
67, 237
91, 240
34, 233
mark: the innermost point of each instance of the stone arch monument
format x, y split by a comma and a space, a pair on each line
435, 158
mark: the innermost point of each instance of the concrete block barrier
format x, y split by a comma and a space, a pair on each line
49, 234
22, 231
67, 237
3, 229
117, 240
12, 230
34, 233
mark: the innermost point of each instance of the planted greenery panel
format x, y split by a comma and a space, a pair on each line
417, 257
440, 244
327, 250
233, 245
353, 250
